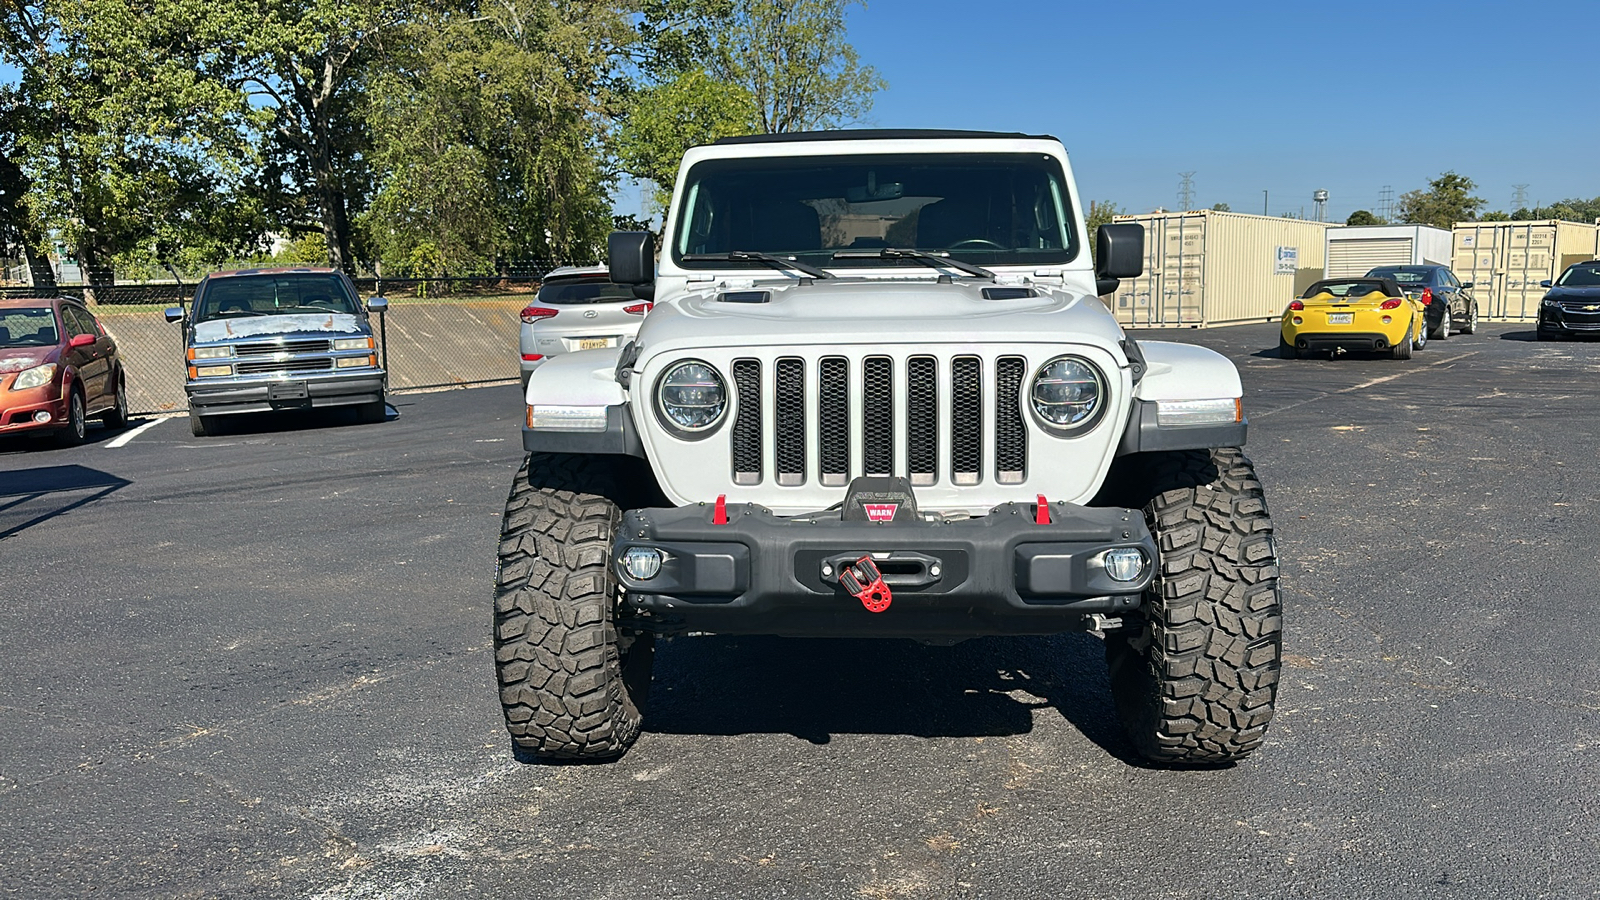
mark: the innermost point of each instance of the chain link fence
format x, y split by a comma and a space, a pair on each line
437, 332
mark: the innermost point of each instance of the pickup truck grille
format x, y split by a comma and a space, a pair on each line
263, 366
895, 427
261, 348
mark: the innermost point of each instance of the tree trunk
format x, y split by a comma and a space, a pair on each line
40, 272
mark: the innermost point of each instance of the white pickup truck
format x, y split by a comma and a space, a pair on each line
878, 396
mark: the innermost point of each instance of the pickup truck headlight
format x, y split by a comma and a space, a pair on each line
352, 343
691, 397
1068, 394
34, 377
222, 352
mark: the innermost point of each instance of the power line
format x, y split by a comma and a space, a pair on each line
1186, 190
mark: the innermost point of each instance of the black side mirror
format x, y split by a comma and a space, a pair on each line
631, 257
1543, 284
1118, 254
1465, 285
174, 314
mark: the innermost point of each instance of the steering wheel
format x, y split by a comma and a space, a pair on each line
975, 242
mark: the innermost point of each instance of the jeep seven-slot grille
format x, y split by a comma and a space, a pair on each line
874, 425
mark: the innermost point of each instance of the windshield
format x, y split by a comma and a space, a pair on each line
1359, 287
1581, 276
274, 295
987, 209
29, 326
1402, 276
593, 290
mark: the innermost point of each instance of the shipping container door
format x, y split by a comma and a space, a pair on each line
1476, 259
1183, 255
1354, 258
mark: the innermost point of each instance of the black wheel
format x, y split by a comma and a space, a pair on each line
1471, 327
1402, 350
72, 433
372, 413
1286, 350
573, 683
116, 418
1443, 331
1195, 672
200, 426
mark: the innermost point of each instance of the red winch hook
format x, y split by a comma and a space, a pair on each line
864, 582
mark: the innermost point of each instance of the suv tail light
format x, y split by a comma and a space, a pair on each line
1296, 304
532, 314
1427, 296
638, 309
1391, 303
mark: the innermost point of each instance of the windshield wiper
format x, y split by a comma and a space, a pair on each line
922, 256
776, 262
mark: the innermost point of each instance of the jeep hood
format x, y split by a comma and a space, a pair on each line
873, 311
235, 327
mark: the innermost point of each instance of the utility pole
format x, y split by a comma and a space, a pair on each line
1186, 190
1264, 203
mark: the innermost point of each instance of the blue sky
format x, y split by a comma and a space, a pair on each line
1284, 97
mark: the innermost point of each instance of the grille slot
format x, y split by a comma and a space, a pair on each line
790, 420
833, 420
1010, 435
877, 415
263, 366
966, 420
265, 348
747, 422
922, 420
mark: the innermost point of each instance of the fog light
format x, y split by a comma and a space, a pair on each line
1297, 320
1388, 320
642, 563
41, 417
1125, 564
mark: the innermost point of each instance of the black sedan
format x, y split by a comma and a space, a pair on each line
1450, 306
1572, 306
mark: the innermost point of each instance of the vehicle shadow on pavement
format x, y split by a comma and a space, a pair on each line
30, 497
293, 420
1529, 336
815, 689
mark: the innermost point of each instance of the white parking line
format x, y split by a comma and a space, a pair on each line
127, 436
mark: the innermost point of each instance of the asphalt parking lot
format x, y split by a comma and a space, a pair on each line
258, 665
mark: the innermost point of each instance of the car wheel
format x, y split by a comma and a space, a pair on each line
73, 432
1194, 673
573, 676
1419, 332
372, 413
201, 426
116, 418
1443, 331
1402, 350
1472, 320
1286, 350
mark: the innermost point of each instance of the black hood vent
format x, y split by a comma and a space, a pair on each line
745, 296
1009, 293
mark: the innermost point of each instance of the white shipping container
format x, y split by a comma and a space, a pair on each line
1214, 268
1354, 250
1505, 261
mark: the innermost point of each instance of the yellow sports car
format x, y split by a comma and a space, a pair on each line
1341, 314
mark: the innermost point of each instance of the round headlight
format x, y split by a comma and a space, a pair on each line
691, 397
1068, 394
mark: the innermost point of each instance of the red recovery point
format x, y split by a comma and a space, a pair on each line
864, 582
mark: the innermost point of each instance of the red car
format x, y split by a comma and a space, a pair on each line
58, 368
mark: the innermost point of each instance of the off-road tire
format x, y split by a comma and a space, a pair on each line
1402, 350
116, 418
572, 683
1195, 672
200, 426
75, 431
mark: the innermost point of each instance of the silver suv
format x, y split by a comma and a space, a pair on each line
578, 308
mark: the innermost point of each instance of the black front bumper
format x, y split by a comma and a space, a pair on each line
998, 574
1568, 323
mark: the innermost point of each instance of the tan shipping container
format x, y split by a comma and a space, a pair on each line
1505, 261
1215, 268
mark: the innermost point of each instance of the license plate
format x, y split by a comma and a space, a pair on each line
288, 390
1341, 318
593, 343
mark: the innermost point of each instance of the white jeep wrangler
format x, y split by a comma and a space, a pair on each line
878, 397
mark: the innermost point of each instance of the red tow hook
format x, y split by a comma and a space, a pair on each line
864, 582
1041, 512
719, 513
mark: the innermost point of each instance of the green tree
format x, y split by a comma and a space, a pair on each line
665, 120
1101, 212
1447, 200
793, 58
1575, 209
1495, 216
1221, 207
1364, 217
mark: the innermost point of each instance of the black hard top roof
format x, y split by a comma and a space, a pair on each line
1389, 286
879, 134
